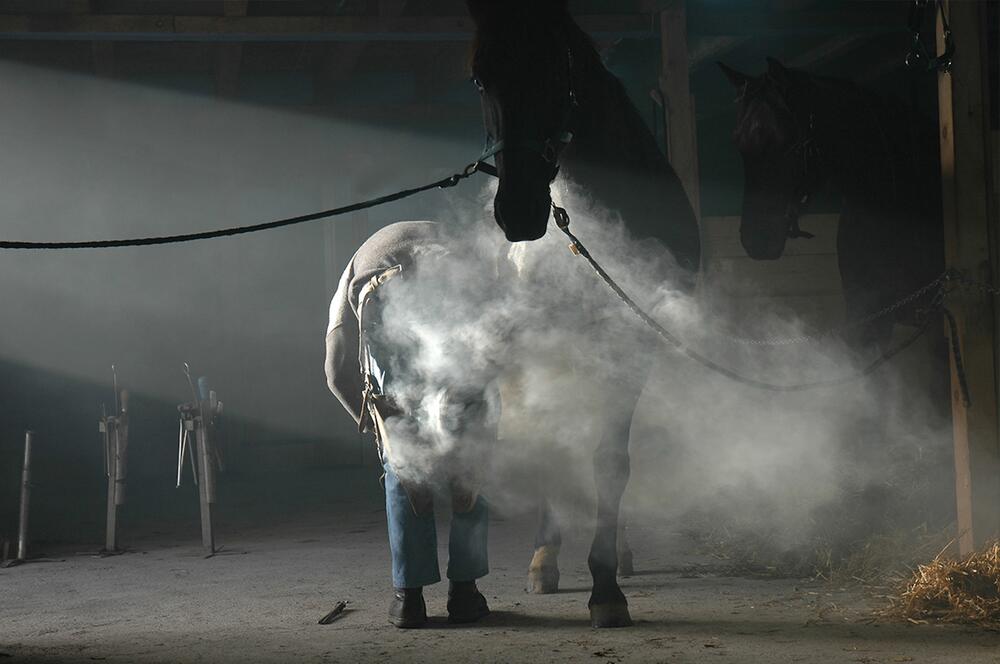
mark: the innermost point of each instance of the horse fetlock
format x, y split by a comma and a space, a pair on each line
543, 572
608, 606
612, 614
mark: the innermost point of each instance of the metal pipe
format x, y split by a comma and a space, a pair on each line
207, 489
121, 465
116, 433
22, 531
181, 435
111, 531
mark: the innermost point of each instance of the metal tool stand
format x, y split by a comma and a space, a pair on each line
115, 431
197, 442
22, 528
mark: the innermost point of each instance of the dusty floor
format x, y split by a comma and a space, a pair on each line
260, 601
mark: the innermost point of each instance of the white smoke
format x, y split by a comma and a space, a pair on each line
564, 347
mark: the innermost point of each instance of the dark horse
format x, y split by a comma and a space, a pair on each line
550, 108
798, 133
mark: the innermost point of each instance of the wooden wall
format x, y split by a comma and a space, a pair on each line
804, 282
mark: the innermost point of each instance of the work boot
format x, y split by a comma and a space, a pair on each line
408, 609
465, 603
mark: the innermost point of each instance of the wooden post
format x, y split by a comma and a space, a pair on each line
682, 139
965, 188
229, 57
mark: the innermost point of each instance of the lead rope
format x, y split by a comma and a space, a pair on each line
562, 221
444, 183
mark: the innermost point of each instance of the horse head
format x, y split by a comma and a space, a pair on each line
522, 65
775, 134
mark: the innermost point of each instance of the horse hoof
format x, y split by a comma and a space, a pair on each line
625, 566
543, 580
610, 615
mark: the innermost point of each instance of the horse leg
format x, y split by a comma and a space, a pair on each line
608, 607
543, 572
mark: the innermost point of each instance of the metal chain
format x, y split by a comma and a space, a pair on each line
562, 221
919, 55
836, 330
971, 284
940, 287
950, 276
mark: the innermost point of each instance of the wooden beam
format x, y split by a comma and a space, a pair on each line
229, 57
682, 148
708, 49
965, 188
234, 7
67, 27
391, 8
826, 51
104, 58
707, 19
339, 61
80, 6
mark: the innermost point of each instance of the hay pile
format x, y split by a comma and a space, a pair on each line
955, 591
839, 554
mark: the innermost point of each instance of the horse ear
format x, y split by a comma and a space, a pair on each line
779, 73
738, 79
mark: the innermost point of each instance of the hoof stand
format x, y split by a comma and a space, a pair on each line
610, 615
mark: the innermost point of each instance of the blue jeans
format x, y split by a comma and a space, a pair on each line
413, 540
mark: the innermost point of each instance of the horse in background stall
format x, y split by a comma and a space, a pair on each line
551, 109
798, 133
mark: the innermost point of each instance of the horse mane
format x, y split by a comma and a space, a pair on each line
622, 164
635, 143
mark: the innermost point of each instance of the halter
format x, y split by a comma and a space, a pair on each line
919, 55
550, 148
808, 149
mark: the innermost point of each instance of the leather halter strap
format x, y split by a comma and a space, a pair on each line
549, 148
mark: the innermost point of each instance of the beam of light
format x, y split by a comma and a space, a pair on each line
90, 158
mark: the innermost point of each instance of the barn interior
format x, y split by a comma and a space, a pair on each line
765, 526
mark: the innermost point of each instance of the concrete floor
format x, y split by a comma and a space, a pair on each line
259, 601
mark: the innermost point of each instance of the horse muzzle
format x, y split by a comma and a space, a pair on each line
523, 219
767, 246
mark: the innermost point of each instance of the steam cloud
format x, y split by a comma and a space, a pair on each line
564, 347
243, 310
